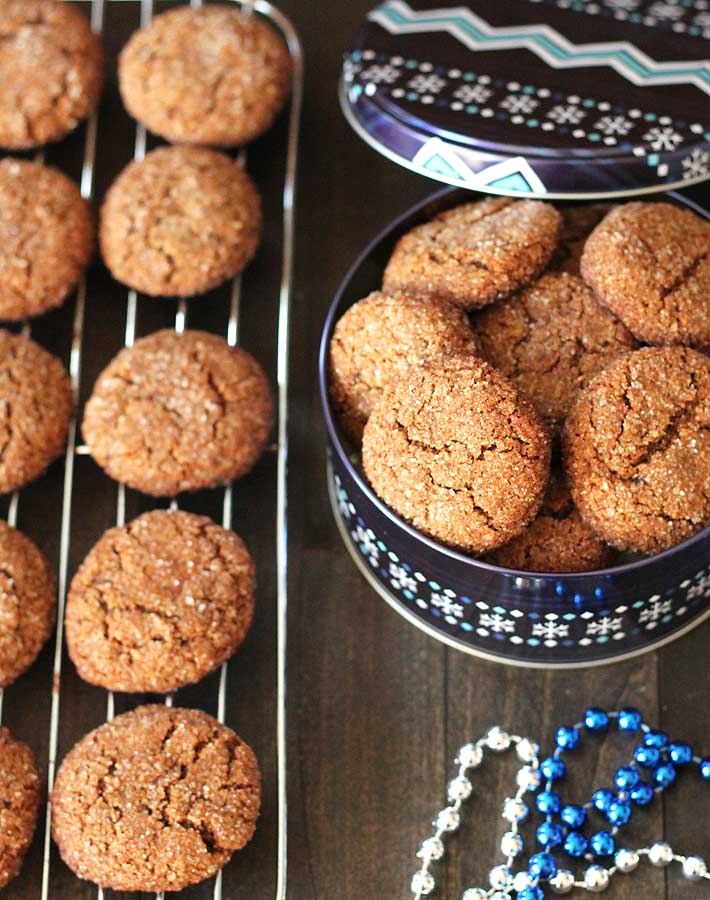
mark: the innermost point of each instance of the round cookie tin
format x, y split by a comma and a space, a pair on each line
493, 612
547, 98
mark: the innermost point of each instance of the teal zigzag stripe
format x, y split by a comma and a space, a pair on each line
461, 22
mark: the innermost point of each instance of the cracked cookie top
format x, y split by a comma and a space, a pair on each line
36, 407
179, 412
20, 789
46, 237
155, 800
159, 603
475, 253
650, 264
551, 338
27, 603
558, 540
459, 453
210, 76
180, 222
51, 71
637, 449
379, 339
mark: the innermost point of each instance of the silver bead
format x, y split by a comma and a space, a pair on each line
527, 750
500, 878
528, 778
522, 880
694, 868
475, 894
660, 854
470, 755
459, 788
497, 739
596, 878
562, 881
514, 810
431, 848
448, 819
626, 860
511, 844
423, 882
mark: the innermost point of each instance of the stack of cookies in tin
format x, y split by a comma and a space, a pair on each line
531, 383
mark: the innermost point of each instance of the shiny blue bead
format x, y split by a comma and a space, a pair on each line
602, 798
680, 752
574, 816
596, 719
549, 835
626, 777
542, 865
553, 768
618, 813
567, 738
655, 738
642, 794
602, 843
629, 719
548, 802
531, 893
649, 757
705, 768
664, 775
575, 844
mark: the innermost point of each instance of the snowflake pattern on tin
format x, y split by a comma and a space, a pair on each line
680, 16
569, 114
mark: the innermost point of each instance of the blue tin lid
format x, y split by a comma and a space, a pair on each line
556, 98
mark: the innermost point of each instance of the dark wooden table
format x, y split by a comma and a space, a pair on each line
376, 709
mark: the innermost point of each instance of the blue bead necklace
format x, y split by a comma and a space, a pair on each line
654, 768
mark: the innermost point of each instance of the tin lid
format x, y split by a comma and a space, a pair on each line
556, 98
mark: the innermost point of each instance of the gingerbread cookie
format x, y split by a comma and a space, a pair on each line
475, 253
211, 76
459, 453
179, 412
578, 222
558, 540
550, 339
36, 407
180, 222
637, 449
20, 790
27, 603
650, 264
159, 603
51, 71
46, 238
155, 800
379, 339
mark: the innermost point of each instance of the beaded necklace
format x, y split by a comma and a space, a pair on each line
653, 769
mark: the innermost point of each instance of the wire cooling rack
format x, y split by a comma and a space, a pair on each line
60, 511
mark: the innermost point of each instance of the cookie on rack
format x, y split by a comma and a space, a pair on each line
27, 603
476, 253
180, 222
46, 238
179, 412
550, 339
379, 339
215, 75
36, 408
459, 452
159, 603
20, 792
186, 789
51, 71
558, 540
650, 264
637, 449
